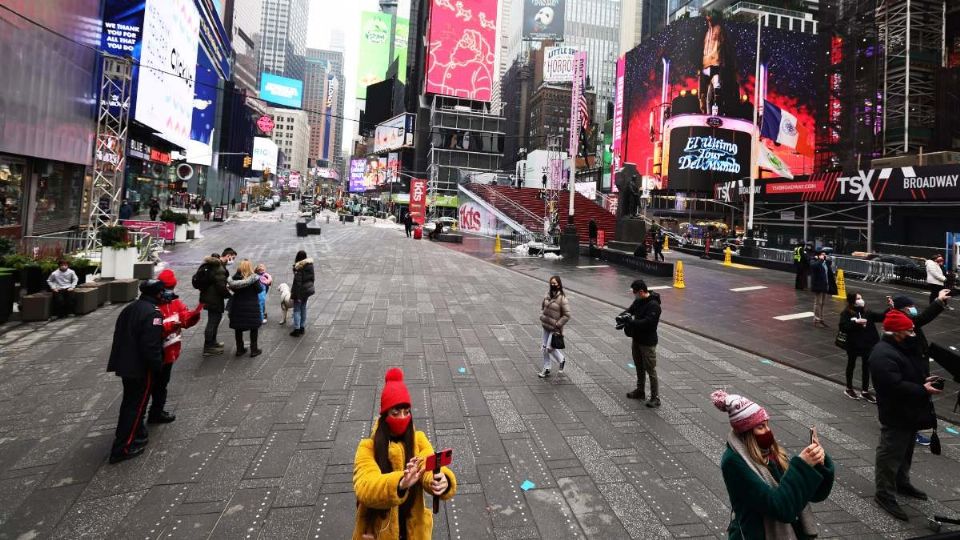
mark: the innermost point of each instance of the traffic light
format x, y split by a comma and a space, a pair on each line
247, 162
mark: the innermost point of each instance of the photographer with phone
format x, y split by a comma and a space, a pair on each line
902, 379
859, 325
389, 472
769, 494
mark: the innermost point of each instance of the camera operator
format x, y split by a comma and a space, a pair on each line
639, 323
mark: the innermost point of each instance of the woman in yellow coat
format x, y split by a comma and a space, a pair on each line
388, 473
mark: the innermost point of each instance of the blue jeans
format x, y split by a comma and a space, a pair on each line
299, 314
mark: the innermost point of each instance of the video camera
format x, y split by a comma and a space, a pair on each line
622, 319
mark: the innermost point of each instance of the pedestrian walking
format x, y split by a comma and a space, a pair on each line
301, 291
62, 282
233, 204
388, 472
154, 208
554, 314
126, 211
136, 357
207, 210
770, 496
920, 345
858, 324
245, 314
904, 386
801, 264
176, 317
706, 246
936, 279
407, 223
211, 281
642, 329
265, 281
658, 246
823, 283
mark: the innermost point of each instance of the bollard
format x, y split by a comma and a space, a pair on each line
841, 286
496, 246
328, 219
678, 282
666, 243
728, 257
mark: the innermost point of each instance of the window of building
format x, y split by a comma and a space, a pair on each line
58, 196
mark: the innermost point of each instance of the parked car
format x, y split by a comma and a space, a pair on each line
449, 223
267, 205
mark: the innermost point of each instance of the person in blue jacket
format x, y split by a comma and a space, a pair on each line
770, 496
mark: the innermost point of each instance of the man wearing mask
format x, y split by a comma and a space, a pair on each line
642, 329
212, 280
904, 386
136, 357
822, 283
920, 319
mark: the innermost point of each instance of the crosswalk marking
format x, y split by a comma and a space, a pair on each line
794, 316
745, 289
596, 266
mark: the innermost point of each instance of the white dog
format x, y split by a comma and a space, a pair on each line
285, 302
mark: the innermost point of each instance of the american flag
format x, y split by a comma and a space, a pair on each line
584, 113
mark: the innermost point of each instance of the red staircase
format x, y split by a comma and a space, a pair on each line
528, 198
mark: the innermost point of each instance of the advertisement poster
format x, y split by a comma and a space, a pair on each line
579, 77
701, 156
393, 167
543, 20
617, 123
281, 90
791, 62
200, 148
462, 48
168, 65
375, 48
161, 229
264, 154
558, 64
394, 133
418, 200
357, 168
473, 218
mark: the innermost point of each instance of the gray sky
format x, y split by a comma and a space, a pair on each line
325, 15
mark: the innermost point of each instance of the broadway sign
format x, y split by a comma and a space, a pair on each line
892, 184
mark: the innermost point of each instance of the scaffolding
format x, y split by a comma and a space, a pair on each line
109, 160
551, 195
911, 32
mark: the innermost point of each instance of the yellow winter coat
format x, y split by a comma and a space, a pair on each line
379, 491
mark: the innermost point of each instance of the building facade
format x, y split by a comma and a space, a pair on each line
291, 132
242, 22
283, 44
323, 100
550, 115
640, 19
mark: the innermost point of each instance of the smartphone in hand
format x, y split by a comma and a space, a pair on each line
446, 458
813, 435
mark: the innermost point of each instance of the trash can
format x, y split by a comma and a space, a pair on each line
417, 233
301, 228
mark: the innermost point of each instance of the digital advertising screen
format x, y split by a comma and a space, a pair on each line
462, 49
712, 61
200, 147
264, 154
357, 168
281, 90
700, 156
543, 20
374, 51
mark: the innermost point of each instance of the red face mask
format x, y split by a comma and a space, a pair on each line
765, 441
398, 425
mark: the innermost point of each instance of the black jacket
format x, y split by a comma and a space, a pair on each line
861, 338
245, 311
214, 295
137, 340
898, 376
922, 319
822, 279
302, 280
646, 316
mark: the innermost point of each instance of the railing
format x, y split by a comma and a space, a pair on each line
867, 270
516, 211
53, 245
604, 202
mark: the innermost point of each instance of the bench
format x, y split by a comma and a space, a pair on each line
101, 288
123, 290
313, 228
85, 300
452, 238
36, 306
143, 270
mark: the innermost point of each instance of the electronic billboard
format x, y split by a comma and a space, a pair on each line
281, 90
462, 49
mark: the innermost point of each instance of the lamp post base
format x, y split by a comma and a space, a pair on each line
570, 243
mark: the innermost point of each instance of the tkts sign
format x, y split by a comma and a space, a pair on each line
894, 184
418, 200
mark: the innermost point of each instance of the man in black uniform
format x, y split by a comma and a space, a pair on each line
136, 356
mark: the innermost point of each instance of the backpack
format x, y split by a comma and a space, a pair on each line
201, 278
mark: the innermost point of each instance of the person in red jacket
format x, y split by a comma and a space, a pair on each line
176, 317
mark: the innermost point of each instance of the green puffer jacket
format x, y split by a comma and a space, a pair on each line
752, 499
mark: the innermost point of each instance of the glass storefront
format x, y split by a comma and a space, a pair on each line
57, 196
11, 192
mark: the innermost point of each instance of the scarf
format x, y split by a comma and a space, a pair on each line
773, 529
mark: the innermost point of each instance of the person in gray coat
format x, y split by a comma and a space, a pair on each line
554, 314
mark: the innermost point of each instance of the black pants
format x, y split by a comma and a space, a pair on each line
645, 361
407, 228
253, 339
894, 457
159, 390
934, 291
864, 366
658, 255
62, 303
213, 324
136, 393
801, 283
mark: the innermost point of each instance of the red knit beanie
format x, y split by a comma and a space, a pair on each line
394, 391
744, 414
897, 321
168, 278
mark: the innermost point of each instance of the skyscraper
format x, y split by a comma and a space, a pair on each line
323, 88
243, 26
283, 44
640, 19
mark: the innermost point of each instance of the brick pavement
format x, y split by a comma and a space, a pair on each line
263, 448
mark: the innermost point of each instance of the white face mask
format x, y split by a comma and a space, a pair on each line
860, 303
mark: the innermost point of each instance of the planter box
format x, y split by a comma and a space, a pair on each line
123, 290
35, 307
118, 263
85, 300
100, 287
6, 294
181, 234
143, 270
32, 279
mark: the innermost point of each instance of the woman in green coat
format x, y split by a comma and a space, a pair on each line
769, 495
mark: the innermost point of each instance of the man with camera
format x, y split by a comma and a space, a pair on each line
639, 322
902, 379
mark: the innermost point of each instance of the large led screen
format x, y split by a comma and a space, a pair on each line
460, 58
281, 90
374, 49
698, 55
357, 169
168, 66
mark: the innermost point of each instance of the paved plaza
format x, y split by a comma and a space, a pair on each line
264, 447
